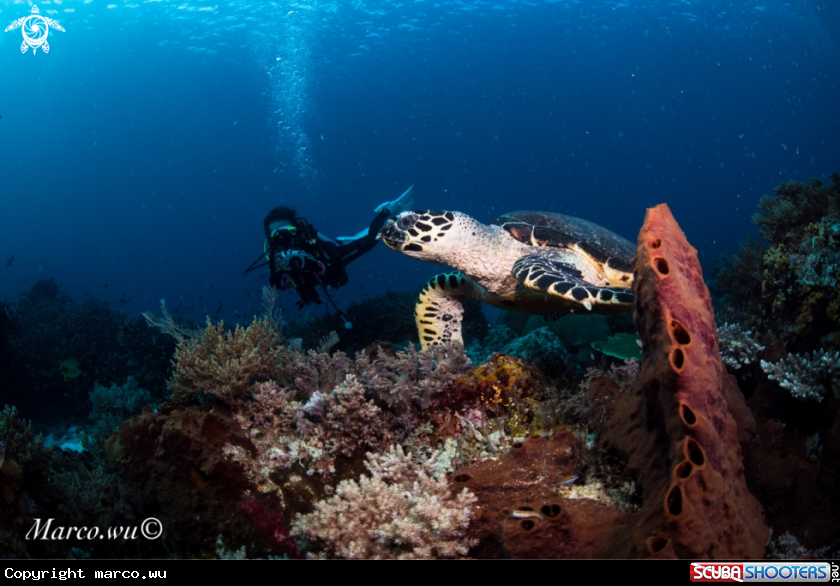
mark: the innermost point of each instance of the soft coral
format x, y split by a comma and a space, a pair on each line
270, 526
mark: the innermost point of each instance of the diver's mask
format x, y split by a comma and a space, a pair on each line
282, 237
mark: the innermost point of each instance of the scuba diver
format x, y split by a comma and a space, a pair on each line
302, 258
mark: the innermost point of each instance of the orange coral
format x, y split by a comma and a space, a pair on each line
504, 386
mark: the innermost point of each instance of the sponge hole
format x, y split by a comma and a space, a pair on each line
687, 415
678, 358
683, 469
694, 452
661, 266
656, 544
674, 500
550, 510
681, 334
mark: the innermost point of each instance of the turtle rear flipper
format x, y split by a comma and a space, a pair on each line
555, 277
439, 311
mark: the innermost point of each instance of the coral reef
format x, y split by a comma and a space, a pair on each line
171, 464
113, 405
225, 364
44, 483
682, 425
269, 450
795, 204
48, 327
623, 375
521, 512
400, 512
790, 283
787, 547
737, 347
806, 378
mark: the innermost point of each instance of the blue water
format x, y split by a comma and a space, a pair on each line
138, 157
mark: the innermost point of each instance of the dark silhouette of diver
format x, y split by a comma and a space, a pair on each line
302, 258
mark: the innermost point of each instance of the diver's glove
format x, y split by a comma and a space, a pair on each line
401, 204
349, 239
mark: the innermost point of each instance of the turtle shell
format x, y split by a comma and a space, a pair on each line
608, 252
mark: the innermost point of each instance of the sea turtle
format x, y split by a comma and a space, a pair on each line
35, 30
536, 262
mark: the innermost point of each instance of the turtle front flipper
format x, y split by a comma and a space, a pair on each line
439, 310
555, 277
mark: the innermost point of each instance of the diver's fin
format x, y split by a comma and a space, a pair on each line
399, 205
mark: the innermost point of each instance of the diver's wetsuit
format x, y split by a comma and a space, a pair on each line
324, 261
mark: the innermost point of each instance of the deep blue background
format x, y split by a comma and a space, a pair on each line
138, 157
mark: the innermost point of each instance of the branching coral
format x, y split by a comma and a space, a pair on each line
168, 325
342, 421
312, 372
322, 407
400, 512
806, 378
225, 364
737, 347
113, 405
21, 443
286, 432
787, 547
624, 375
413, 377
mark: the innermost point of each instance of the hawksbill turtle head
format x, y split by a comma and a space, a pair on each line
429, 235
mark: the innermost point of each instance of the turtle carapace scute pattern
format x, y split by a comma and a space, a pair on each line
537, 262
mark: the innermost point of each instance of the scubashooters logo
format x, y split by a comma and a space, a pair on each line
795, 572
35, 29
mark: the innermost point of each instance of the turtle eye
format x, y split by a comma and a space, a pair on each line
407, 221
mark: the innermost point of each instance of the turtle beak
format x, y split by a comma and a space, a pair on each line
392, 236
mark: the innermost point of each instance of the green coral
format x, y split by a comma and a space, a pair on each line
622, 346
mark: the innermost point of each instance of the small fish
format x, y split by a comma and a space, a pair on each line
526, 514
9, 262
566, 480
69, 368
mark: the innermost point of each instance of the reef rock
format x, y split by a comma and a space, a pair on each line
682, 425
521, 514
